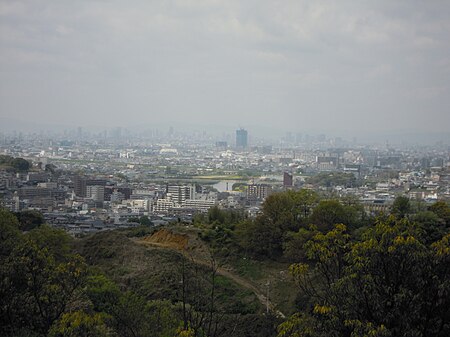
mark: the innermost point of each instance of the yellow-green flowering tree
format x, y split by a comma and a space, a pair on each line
389, 283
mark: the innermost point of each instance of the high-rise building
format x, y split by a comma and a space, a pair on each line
258, 191
241, 138
179, 194
95, 192
287, 180
79, 186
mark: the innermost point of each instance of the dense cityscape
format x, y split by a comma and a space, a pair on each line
83, 182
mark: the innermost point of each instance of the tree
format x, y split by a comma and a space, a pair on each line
442, 210
145, 221
130, 316
288, 210
103, 293
20, 164
9, 233
129, 313
330, 212
401, 207
431, 225
30, 219
80, 324
55, 241
388, 284
198, 298
10, 238
329, 179
40, 287
293, 246
39, 279
282, 214
260, 237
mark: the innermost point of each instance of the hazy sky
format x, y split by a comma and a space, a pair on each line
336, 66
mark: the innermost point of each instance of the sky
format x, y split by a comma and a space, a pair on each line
349, 67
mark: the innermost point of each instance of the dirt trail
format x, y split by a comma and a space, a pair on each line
180, 242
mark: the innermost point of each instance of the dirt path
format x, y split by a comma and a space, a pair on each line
226, 273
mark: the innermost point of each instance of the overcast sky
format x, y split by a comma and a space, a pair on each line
330, 66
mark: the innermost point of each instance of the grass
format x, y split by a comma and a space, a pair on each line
248, 268
282, 290
155, 273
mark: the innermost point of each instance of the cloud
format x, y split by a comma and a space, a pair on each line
108, 61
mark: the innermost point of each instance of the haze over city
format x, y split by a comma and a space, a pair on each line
353, 68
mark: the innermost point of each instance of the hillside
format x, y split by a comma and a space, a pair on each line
152, 268
249, 274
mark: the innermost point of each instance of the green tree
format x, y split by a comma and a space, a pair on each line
145, 221
260, 237
130, 316
293, 246
38, 279
9, 233
330, 212
30, 219
401, 207
41, 288
20, 164
56, 241
388, 284
10, 238
279, 209
442, 210
431, 225
329, 179
222, 216
103, 293
80, 324
282, 214
164, 318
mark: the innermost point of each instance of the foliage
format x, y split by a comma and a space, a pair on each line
431, 225
102, 292
56, 241
46, 289
80, 324
401, 207
281, 213
293, 247
9, 233
16, 164
29, 219
328, 179
130, 314
145, 221
221, 216
331, 212
390, 283
260, 238
139, 231
290, 209
442, 210
39, 278
218, 230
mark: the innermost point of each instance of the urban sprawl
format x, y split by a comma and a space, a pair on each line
85, 182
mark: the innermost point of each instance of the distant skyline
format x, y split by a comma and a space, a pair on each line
356, 68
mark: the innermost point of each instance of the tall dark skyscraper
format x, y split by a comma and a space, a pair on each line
287, 180
241, 138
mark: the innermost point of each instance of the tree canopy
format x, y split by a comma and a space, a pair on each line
15, 164
389, 283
